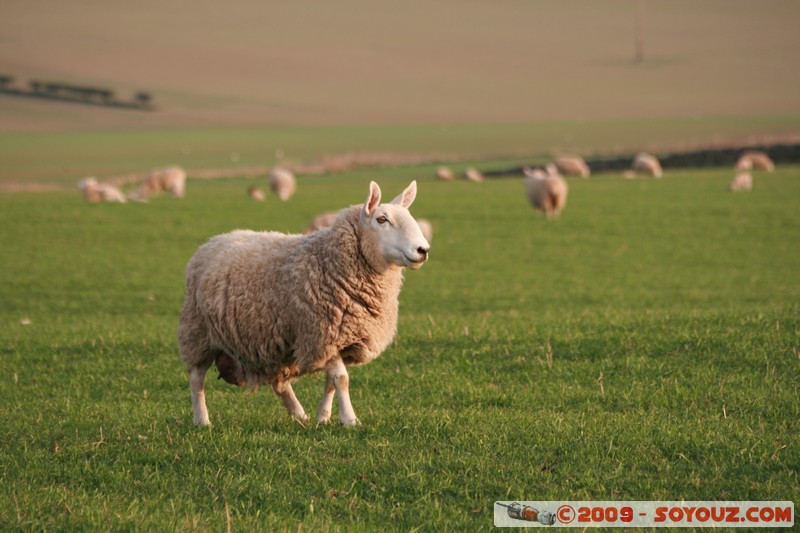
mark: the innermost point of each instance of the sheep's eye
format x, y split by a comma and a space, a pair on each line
382, 219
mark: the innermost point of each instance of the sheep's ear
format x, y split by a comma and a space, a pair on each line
373, 200
406, 198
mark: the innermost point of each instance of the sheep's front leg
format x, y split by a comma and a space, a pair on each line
337, 373
197, 378
286, 394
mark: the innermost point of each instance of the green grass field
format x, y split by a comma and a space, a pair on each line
66, 157
644, 347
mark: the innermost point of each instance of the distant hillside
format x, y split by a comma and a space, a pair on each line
269, 62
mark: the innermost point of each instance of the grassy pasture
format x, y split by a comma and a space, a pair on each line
643, 347
66, 157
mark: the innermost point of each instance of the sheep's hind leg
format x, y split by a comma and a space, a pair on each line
286, 394
326, 404
337, 373
197, 377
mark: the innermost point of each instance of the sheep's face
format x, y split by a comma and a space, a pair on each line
282, 183
399, 239
88, 183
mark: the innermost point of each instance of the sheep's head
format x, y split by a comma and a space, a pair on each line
399, 238
87, 183
534, 173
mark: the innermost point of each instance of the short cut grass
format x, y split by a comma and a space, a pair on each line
644, 347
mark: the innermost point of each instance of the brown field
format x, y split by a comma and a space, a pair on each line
256, 62
236, 83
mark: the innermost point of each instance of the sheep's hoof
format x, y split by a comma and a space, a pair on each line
324, 417
300, 417
202, 423
352, 422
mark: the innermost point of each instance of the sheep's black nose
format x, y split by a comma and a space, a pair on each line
423, 251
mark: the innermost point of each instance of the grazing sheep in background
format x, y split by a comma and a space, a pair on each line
320, 221
426, 228
171, 179
573, 166
268, 307
743, 182
546, 192
444, 174
552, 170
756, 160
534, 173
93, 191
473, 174
282, 183
256, 194
647, 164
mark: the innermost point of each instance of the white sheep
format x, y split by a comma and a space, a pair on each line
547, 191
320, 221
171, 179
647, 164
552, 170
282, 183
756, 160
256, 193
444, 174
573, 166
743, 182
473, 174
267, 307
426, 228
93, 191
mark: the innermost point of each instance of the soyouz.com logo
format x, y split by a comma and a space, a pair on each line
644, 514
